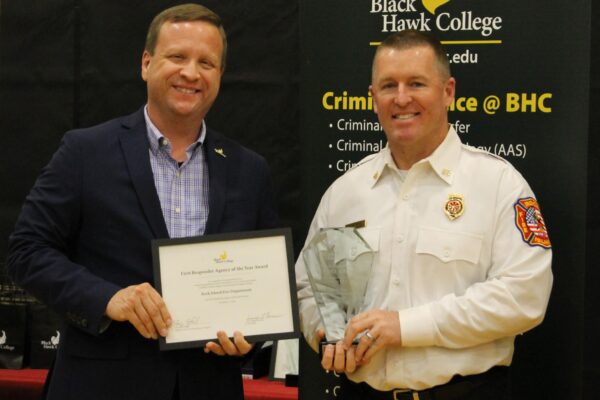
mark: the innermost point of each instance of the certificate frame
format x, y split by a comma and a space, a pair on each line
203, 279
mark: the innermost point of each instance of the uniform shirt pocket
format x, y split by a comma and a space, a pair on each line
449, 245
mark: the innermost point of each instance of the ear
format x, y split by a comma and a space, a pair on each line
145, 63
449, 91
373, 99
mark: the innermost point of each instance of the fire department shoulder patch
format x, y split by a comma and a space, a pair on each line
530, 222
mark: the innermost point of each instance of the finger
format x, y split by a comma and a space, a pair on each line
141, 312
154, 313
162, 307
357, 325
374, 348
320, 334
139, 325
240, 342
227, 345
363, 345
339, 362
317, 338
212, 347
327, 360
350, 359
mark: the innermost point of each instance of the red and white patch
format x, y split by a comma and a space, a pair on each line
530, 223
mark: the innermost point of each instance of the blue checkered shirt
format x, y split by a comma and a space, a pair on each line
182, 189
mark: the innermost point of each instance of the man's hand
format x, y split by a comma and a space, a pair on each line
143, 307
238, 347
335, 357
338, 358
381, 328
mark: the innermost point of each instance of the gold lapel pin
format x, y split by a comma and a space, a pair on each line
220, 152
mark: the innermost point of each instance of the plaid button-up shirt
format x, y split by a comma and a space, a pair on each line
182, 189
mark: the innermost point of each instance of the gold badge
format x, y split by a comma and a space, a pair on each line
220, 152
455, 206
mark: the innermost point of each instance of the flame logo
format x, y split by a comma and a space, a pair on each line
432, 5
223, 256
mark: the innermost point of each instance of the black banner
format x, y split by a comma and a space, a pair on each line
522, 94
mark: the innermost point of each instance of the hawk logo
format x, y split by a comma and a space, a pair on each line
530, 223
51, 344
3, 338
432, 5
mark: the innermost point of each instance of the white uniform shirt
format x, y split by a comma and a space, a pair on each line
463, 287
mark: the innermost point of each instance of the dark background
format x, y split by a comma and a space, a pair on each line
75, 63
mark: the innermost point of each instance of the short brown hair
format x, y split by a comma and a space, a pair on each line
410, 38
182, 13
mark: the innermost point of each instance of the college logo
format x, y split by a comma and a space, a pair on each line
51, 344
222, 258
432, 5
530, 223
3, 345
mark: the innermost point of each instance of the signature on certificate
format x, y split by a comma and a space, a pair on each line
190, 323
253, 319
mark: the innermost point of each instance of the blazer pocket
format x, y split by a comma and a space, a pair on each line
449, 245
107, 346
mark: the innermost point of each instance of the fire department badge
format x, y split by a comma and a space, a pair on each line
530, 222
455, 206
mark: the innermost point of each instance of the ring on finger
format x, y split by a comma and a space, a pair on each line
368, 334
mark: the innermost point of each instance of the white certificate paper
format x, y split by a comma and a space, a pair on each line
232, 282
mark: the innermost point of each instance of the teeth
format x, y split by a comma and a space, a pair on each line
187, 91
404, 116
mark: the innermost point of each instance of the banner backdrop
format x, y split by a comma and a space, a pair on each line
522, 93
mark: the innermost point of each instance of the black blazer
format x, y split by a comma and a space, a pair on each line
85, 232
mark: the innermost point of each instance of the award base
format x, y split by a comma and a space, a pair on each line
323, 343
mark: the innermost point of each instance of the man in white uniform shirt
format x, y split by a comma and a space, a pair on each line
462, 255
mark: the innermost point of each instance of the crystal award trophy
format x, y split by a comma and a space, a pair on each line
338, 262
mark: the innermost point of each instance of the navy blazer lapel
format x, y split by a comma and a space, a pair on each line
215, 151
135, 149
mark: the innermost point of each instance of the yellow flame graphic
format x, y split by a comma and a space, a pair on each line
223, 256
432, 5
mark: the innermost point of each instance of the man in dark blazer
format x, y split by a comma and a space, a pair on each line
82, 243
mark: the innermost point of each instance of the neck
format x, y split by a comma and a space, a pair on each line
406, 155
180, 132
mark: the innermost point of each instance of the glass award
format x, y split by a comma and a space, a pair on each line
338, 262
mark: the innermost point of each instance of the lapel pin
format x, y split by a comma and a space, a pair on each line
220, 152
455, 206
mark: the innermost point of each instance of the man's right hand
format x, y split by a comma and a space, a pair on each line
335, 357
143, 307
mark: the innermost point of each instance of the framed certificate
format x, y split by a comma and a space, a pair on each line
241, 281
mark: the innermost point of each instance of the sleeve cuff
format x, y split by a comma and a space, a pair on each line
417, 327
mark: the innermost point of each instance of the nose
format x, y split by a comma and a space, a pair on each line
402, 97
190, 71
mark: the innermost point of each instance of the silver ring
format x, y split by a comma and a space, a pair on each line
368, 334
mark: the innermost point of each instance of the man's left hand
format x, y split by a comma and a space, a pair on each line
381, 328
238, 347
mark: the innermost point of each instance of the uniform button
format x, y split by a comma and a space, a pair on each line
446, 253
400, 238
177, 210
405, 197
396, 281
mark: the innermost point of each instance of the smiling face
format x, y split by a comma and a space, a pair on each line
411, 95
183, 74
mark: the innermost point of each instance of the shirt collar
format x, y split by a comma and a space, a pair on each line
444, 159
155, 137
